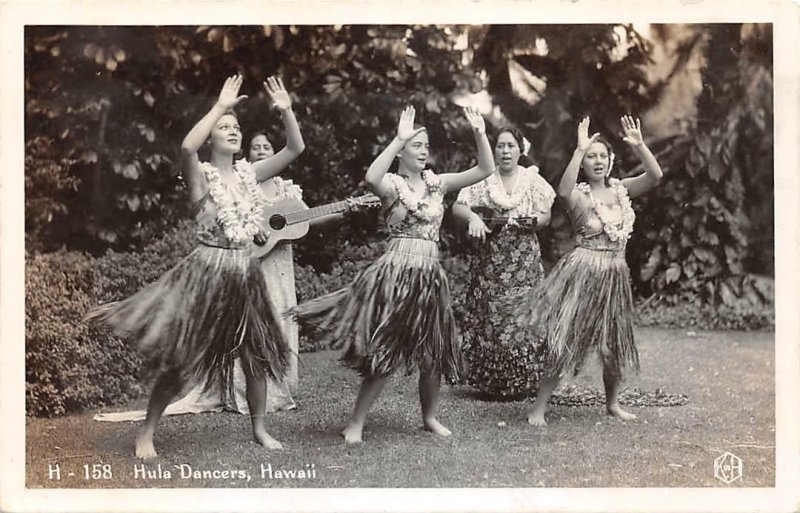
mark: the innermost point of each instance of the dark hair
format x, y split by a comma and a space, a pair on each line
602, 140
524, 160
250, 137
516, 134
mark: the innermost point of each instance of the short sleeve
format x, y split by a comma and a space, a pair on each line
288, 189
466, 196
543, 193
395, 180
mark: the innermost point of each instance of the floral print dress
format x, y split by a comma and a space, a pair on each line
504, 358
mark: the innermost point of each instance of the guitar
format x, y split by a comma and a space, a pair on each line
493, 219
288, 219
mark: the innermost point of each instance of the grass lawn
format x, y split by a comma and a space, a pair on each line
728, 376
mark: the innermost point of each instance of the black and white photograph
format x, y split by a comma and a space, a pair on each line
423, 256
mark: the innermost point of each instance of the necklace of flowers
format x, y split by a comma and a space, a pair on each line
239, 225
498, 194
615, 232
418, 208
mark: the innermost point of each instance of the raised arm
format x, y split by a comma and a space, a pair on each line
376, 179
485, 167
295, 145
566, 187
228, 98
652, 171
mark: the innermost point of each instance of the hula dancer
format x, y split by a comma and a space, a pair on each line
585, 305
397, 315
214, 305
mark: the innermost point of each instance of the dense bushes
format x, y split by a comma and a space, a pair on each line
69, 364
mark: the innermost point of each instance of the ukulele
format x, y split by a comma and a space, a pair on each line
288, 219
493, 219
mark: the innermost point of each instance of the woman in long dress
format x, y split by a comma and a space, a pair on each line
585, 305
505, 359
214, 306
396, 316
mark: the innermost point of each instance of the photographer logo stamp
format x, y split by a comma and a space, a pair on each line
728, 468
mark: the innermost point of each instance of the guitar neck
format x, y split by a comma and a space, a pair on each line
313, 213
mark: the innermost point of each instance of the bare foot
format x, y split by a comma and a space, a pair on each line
144, 447
435, 427
263, 438
618, 412
352, 433
536, 418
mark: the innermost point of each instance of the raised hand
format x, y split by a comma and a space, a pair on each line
229, 95
277, 92
405, 128
475, 119
584, 141
633, 130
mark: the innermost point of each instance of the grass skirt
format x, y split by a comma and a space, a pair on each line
584, 304
395, 315
210, 308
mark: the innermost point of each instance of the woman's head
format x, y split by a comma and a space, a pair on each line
226, 135
414, 155
259, 147
597, 162
508, 148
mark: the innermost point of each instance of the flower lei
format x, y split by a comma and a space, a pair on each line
610, 228
498, 194
420, 209
239, 224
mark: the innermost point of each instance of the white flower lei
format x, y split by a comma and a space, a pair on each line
418, 208
498, 194
238, 224
628, 217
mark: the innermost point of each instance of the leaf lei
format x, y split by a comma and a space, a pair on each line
611, 229
417, 206
240, 220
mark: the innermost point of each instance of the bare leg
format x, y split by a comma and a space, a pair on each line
370, 389
257, 403
611, 382
429, 385
167, 386
546, 388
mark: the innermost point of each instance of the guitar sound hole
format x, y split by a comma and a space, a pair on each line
277, 222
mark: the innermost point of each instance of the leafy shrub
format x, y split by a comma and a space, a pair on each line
751, 306
69, 364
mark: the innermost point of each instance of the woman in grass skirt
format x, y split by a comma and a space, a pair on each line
278, 268
585, 305
397, 315
504, 359
214, 305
